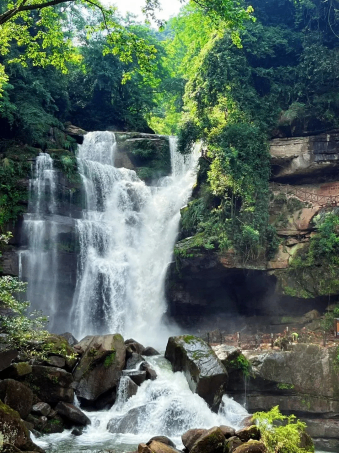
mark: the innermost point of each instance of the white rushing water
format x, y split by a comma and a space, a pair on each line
126, 237
41, 259
165, 406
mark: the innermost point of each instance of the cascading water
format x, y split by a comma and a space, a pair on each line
165, 406
40, 259
126, 239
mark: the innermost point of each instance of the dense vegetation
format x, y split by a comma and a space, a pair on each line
230, 73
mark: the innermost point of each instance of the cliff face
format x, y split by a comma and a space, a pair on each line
218, 288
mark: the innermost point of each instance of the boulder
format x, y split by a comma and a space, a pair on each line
211, 442
6, 358
72, 413
232, 443
75, 132
16, 370
100, 367
205, 373
127, 423
138, 377
160, 447
14, 431
133, 361
128, 387
17, 396
190, 437
150, 372
41, 409
143, 448
70, 338
149, 351
134, 346
106, 400
227, 431
249, 433
54, 425
163, 439
226, 353
51, 384
56, 361
252, 446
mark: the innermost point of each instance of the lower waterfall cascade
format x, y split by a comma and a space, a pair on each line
165, 406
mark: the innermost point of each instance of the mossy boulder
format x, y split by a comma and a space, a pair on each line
51, 384
203, 370
56, 345
16, 371
249, 433
159, 447
191, 436
100, 367
14, 431
252, 446
17, 396
211, 442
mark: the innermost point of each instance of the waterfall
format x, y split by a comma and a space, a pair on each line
126, 238
40, 260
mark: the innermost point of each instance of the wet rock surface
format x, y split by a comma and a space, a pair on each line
204, 372
100, 367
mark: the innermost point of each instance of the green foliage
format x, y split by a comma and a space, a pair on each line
285, 386
109, 360
242, 364
22, 326
327, 324
281, 433
315, 270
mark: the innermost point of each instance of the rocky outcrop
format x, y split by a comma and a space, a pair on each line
313, 156
50, 384
204, 372
147, 154
14, 431
303, 381
72, 413
17, 396
100, 367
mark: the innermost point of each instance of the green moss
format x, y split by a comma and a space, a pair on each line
109, 360
285, 386
23, 368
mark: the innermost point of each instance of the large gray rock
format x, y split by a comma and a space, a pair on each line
204, 372
304, 379
226, 353
211, 442
100, 367
51, 384
17, 396
299, 156
72, 413
127, 423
